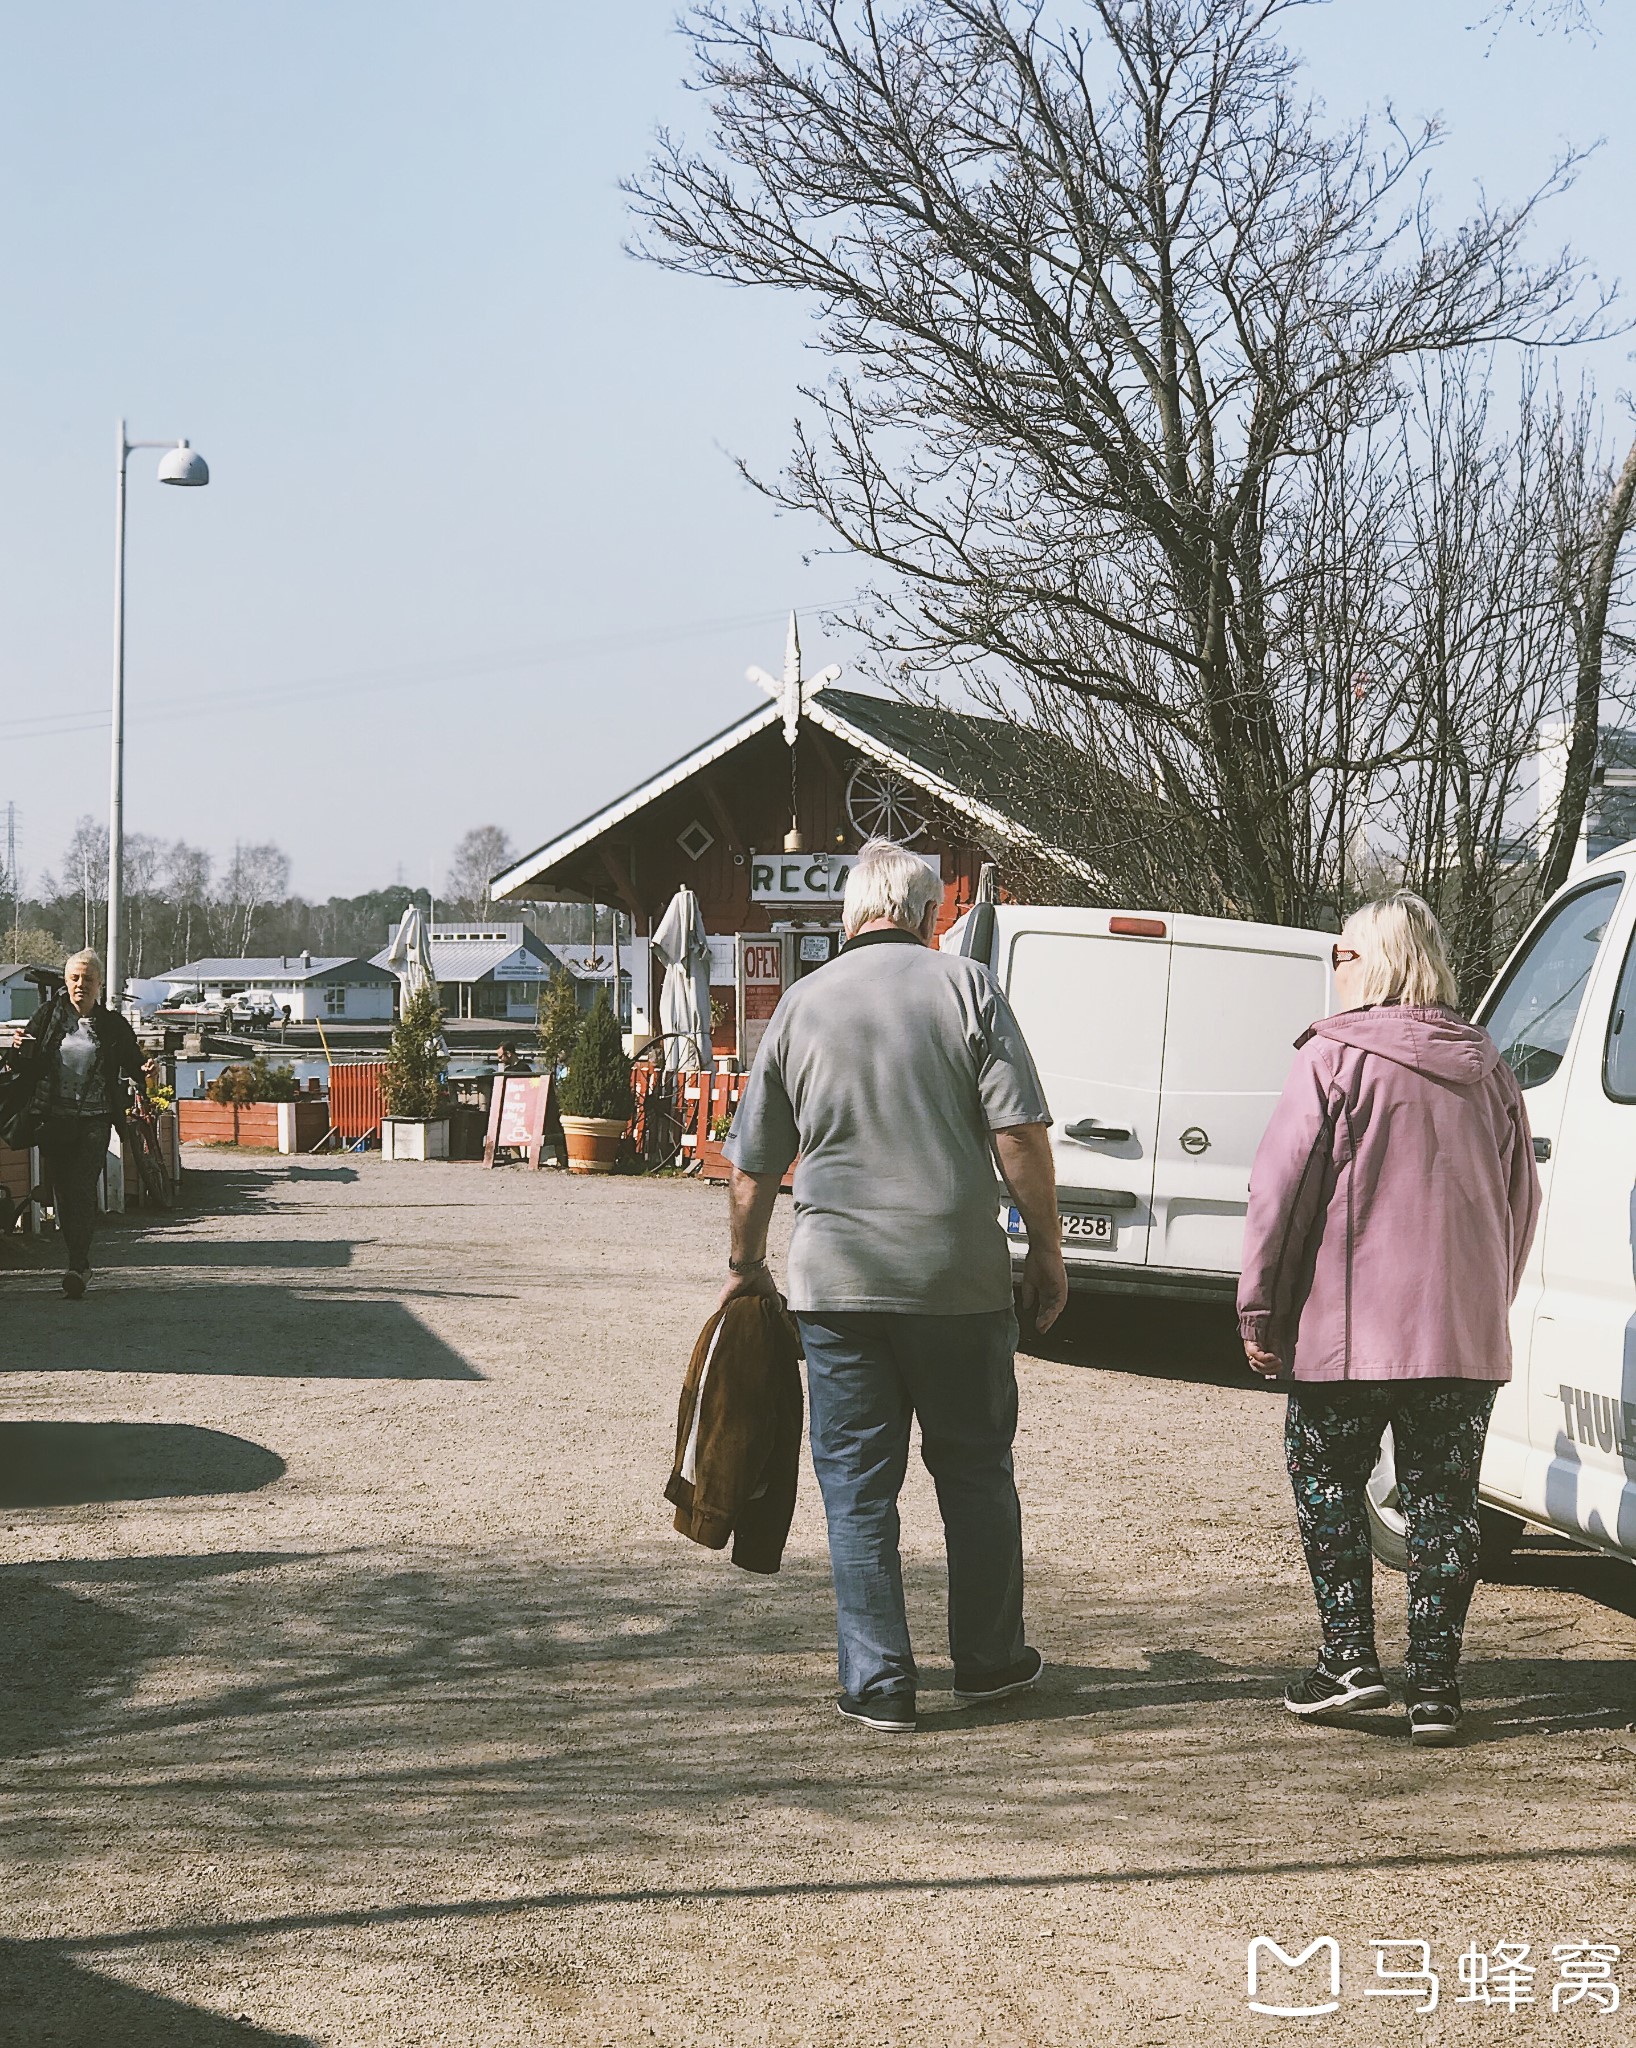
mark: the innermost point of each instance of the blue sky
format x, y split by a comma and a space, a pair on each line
474, 550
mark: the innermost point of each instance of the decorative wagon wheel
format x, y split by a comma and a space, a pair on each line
882, 805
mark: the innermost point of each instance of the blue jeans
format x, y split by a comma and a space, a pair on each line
867, 1375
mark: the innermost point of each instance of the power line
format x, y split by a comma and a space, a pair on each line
410, 675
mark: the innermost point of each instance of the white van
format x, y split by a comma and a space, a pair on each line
1163, 1042
1562, 1448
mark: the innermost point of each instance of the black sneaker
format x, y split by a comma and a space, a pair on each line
891, 1713
73, 1284
1434, 1714
1351, 1690
972, 1691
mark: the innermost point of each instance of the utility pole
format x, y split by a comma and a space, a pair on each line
11, 875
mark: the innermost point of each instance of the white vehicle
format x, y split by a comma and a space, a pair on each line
1164, 1043
1562, 1448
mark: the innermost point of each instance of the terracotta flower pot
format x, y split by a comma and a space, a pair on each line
593, 1142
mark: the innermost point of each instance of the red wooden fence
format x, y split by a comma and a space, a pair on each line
355, 1105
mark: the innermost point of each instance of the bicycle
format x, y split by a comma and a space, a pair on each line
142, 1147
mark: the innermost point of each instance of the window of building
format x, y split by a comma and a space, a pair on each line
335, 1002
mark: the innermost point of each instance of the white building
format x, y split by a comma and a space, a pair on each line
315, 989
18, 996
487, 970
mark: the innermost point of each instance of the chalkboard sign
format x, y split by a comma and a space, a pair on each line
519, 1109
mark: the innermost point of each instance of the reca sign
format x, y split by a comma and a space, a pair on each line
810, 877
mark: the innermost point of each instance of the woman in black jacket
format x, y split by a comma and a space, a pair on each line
77, 1054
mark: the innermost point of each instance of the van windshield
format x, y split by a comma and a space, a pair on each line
1533, 1017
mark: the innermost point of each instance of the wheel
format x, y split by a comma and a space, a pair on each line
882, 805
149, 1167
1388, 1532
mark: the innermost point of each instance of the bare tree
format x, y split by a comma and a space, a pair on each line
187, 894
1594, 513
1103, 306
477, 859
85, 875
256, 876
144, 907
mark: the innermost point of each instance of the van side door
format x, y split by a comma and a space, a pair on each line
1237, 1006
1582, 1381
1533, 1014
1092, 1008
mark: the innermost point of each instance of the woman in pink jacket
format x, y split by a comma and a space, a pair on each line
1392, 1203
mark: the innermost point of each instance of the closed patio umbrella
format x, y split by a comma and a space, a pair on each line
684, 1000
410, 954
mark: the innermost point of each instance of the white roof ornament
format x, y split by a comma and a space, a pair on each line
792, 692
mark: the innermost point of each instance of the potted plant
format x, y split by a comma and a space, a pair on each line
240, 1107
556, 1016
596, 1096
416, 1124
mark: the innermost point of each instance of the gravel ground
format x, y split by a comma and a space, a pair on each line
354, 1689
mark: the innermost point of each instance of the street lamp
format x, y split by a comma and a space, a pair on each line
179, 465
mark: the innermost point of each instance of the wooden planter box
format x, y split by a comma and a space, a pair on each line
414, 1137
253, 1125
305, 1123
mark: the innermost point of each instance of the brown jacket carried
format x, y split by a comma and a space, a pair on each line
738, 1433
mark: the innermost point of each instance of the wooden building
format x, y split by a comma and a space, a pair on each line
761, 822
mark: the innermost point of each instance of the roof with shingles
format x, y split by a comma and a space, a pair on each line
987, 770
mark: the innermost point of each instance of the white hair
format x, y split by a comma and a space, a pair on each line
86, 958
889, 881
1403, 954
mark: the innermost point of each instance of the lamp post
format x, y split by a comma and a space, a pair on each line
179, 465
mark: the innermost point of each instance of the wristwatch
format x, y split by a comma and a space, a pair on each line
746, 1267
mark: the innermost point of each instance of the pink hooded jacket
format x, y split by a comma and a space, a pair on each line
1392, 1203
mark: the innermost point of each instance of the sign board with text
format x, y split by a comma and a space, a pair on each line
810, 877
760, 984
519, 1109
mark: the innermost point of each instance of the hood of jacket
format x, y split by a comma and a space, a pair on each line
1435, 1042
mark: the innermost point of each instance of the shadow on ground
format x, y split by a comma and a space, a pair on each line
341, 1715
62, 1464
1164, 1340
1555, 1565
47, 2000
263, 1330
72, 1652
168, 1248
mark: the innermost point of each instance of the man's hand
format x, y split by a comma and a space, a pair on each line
1044, 1286
758, 1282
1024, 1153
750, 1200
17, 1037
1267, 1363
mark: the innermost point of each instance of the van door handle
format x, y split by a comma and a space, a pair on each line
1089, 1132
1542, 1149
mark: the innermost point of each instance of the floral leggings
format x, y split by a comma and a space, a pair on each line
1332, 1437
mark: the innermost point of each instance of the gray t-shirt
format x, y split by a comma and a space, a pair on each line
886, 1071
80, 1089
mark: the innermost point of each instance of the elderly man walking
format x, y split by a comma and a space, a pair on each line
898, 1075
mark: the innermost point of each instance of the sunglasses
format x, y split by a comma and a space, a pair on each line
1339, 955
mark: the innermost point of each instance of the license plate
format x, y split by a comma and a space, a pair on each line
1082, 1226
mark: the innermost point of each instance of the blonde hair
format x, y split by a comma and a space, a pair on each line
1403, 956
86, 958
889, 881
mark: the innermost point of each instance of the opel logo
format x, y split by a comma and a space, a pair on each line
1194, 1140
